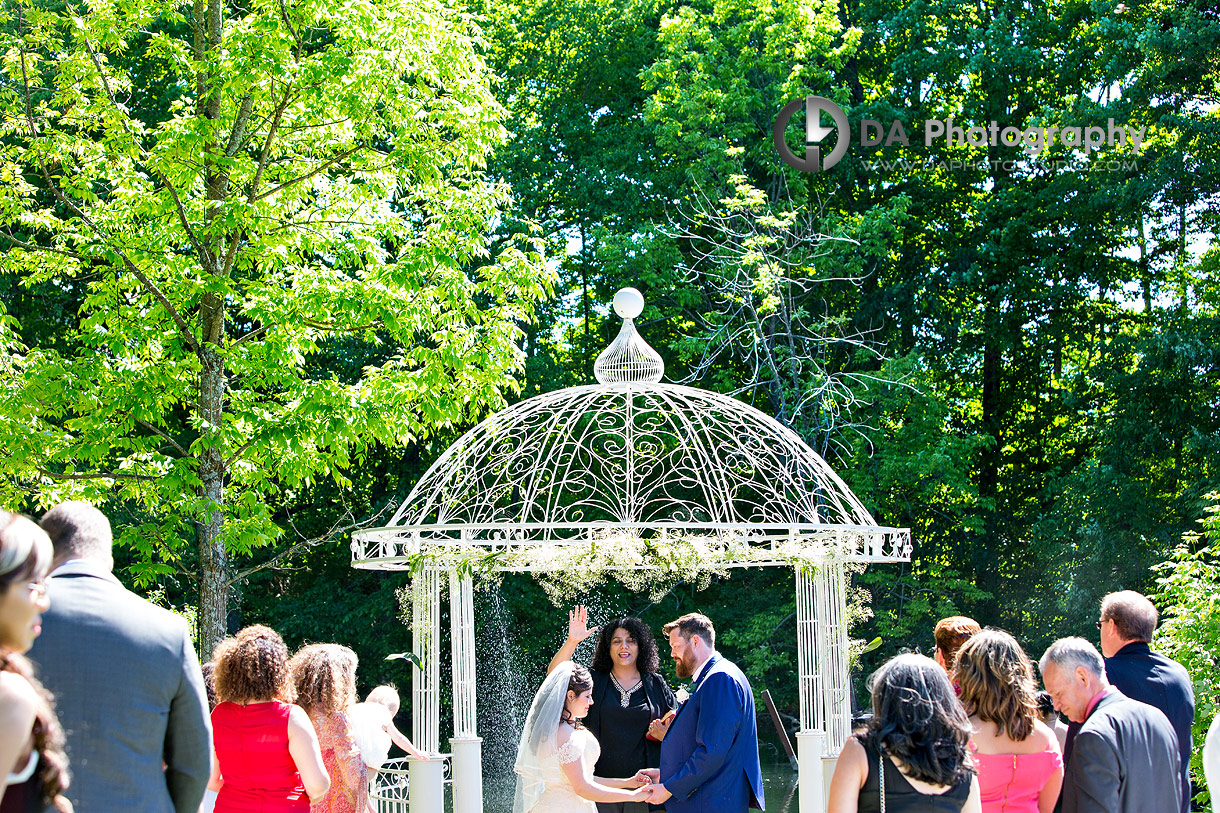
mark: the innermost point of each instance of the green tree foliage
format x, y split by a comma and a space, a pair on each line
1035, 312
309, 181
1188, 589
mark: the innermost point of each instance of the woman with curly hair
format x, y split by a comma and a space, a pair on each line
31, 741
1016, 754
913, 755
324, 676
266, 752
631, 701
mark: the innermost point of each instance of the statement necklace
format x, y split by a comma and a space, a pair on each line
625, 694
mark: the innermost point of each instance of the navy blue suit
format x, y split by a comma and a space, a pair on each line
1143, 675
709, 757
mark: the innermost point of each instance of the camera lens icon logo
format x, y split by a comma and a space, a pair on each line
815, 134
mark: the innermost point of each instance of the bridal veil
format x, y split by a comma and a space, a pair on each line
538, 737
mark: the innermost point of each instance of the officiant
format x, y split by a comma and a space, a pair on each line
632, 704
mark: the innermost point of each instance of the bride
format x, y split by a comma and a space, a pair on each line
556, 756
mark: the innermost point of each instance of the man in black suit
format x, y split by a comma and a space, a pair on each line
1125, 758
1127, 623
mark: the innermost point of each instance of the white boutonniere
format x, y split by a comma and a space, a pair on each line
682, 695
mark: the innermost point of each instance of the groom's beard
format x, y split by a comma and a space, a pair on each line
684, 667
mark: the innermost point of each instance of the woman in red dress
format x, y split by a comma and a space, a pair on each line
267, 758
324, 676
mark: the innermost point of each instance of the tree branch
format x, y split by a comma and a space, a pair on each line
103, 475
265, 152
158, 431
8, 235
305, 544
318, 170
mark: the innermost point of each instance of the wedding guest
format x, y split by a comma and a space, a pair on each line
556, 754
1125, 751
1020, 767
324, 676
914, 754
125, 678
950, 633
209, 686
631, 701
266, 752
374, 729
1051, 718
1211, 757
1128, 621
31, 741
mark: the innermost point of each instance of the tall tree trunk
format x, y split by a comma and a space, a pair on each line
213, 557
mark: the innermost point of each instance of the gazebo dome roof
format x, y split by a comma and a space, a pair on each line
631, 455
625, 460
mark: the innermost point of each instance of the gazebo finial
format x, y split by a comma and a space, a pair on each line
629, 359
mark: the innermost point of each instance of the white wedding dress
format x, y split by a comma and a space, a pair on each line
558, 795
542, 786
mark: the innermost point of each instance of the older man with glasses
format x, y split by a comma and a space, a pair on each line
1125, 759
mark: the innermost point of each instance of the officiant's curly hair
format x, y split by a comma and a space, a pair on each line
647, 660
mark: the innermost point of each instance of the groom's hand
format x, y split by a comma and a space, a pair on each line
657, 794
648, 776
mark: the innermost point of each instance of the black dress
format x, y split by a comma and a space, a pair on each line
622, 732
24, 797
900, 795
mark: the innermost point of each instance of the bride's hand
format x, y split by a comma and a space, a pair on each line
578, 624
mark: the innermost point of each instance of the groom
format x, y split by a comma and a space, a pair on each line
709, 757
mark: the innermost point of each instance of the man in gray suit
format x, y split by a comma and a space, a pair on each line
126, 681
1125, 758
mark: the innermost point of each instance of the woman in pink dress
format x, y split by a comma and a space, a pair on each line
1019, 765
324, 676
267, 755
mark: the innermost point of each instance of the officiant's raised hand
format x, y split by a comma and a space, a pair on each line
578, 624
578, 631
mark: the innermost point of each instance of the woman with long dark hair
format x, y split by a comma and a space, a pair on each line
556, 755
1017, 755
913, 756
31, 740
630, 699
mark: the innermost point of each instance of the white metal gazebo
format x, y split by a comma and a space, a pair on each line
630, 473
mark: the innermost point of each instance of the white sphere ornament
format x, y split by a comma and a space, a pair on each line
628, 303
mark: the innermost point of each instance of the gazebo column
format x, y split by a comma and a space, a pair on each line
466, 744
427, 779
822, 655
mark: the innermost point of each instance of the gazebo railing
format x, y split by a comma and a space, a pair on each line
390, 787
